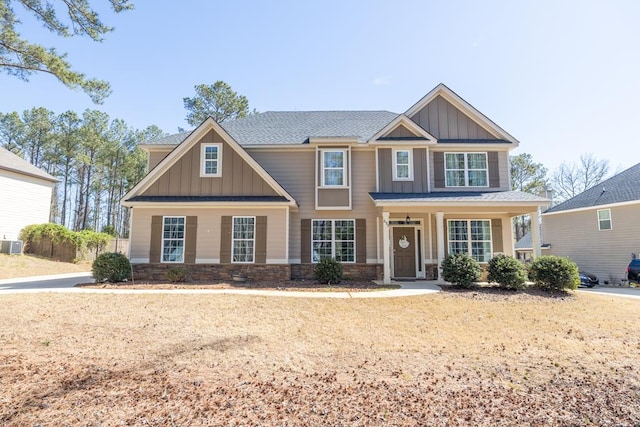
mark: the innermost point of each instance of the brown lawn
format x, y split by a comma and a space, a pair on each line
449, 359
12, 266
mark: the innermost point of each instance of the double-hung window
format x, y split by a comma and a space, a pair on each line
244, 238
173, 232
604, 219
211, 160
334, 168
472, 237
466, 170
333, 239
402, 170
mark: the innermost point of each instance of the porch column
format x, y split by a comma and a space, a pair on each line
535, 233
386, 242
440, 240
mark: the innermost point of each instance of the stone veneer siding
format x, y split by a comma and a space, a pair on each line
353, 271
214, 272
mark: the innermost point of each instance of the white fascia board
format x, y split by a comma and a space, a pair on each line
157, 147
334, 140
593, 208
406, 122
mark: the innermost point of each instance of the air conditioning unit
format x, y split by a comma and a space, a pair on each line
13, 247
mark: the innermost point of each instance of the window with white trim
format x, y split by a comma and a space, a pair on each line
211, 160
402, 170
173, 232
466, 170
243, 239
333, 238
472, 237
334, 168
604, 219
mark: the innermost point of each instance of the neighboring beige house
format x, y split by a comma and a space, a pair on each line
524, 247
25, 195
387, 194
598, 228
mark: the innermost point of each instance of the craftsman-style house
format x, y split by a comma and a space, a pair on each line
386, 194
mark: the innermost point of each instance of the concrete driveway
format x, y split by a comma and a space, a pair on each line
53, 283
614, 291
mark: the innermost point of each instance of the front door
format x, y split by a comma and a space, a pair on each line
404, 252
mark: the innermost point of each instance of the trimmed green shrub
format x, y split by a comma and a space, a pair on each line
329, 271
111, 266
507, 272
461, 270
177, 274
554, 273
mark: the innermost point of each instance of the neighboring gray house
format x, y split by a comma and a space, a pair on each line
598, 228
387, 194
524, 247
25, 195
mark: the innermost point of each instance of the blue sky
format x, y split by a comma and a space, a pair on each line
561, 76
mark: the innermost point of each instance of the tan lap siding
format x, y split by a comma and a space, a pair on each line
207, 245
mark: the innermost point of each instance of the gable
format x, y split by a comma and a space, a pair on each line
178, 176
183, 177
445, 121
401, 132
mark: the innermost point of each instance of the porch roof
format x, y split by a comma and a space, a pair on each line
460, 198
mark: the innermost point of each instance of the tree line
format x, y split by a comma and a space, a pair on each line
95, 158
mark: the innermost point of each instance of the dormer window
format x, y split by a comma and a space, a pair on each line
333, 168
466, 170
402, 170
211, 160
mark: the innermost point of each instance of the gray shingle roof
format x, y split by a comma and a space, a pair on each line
460, 196
296, 127
623, 187
14, 163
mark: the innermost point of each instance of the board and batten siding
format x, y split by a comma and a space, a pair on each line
209, 222
155, 157
604, 253
385, 172
24, 200
444, 121
298, 177
183, 178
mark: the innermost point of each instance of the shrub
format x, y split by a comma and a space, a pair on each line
461, 270
177, 274
111, 266
329, 271
507, 272
554, 273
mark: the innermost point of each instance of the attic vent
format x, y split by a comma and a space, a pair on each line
13, 247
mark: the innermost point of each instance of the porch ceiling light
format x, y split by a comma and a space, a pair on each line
407, 220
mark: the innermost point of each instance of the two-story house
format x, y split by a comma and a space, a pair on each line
386, 194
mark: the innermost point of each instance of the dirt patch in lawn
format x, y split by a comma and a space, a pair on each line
445, 359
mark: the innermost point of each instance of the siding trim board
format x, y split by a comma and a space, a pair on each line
595, 207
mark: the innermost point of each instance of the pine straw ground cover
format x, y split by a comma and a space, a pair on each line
453, 358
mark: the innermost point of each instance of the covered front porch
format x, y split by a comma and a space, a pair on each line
416, 231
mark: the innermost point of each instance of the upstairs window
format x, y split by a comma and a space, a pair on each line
604, 219
402, 170
333, 168
211, 160
244, 238
466, 170
173, 231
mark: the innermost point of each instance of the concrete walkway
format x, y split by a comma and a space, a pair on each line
65, 283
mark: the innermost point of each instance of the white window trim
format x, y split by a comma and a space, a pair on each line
233, 239
469, 249
466, 170
184, 240
344, 184
395, 164
202, 160
600, 220
333, 239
